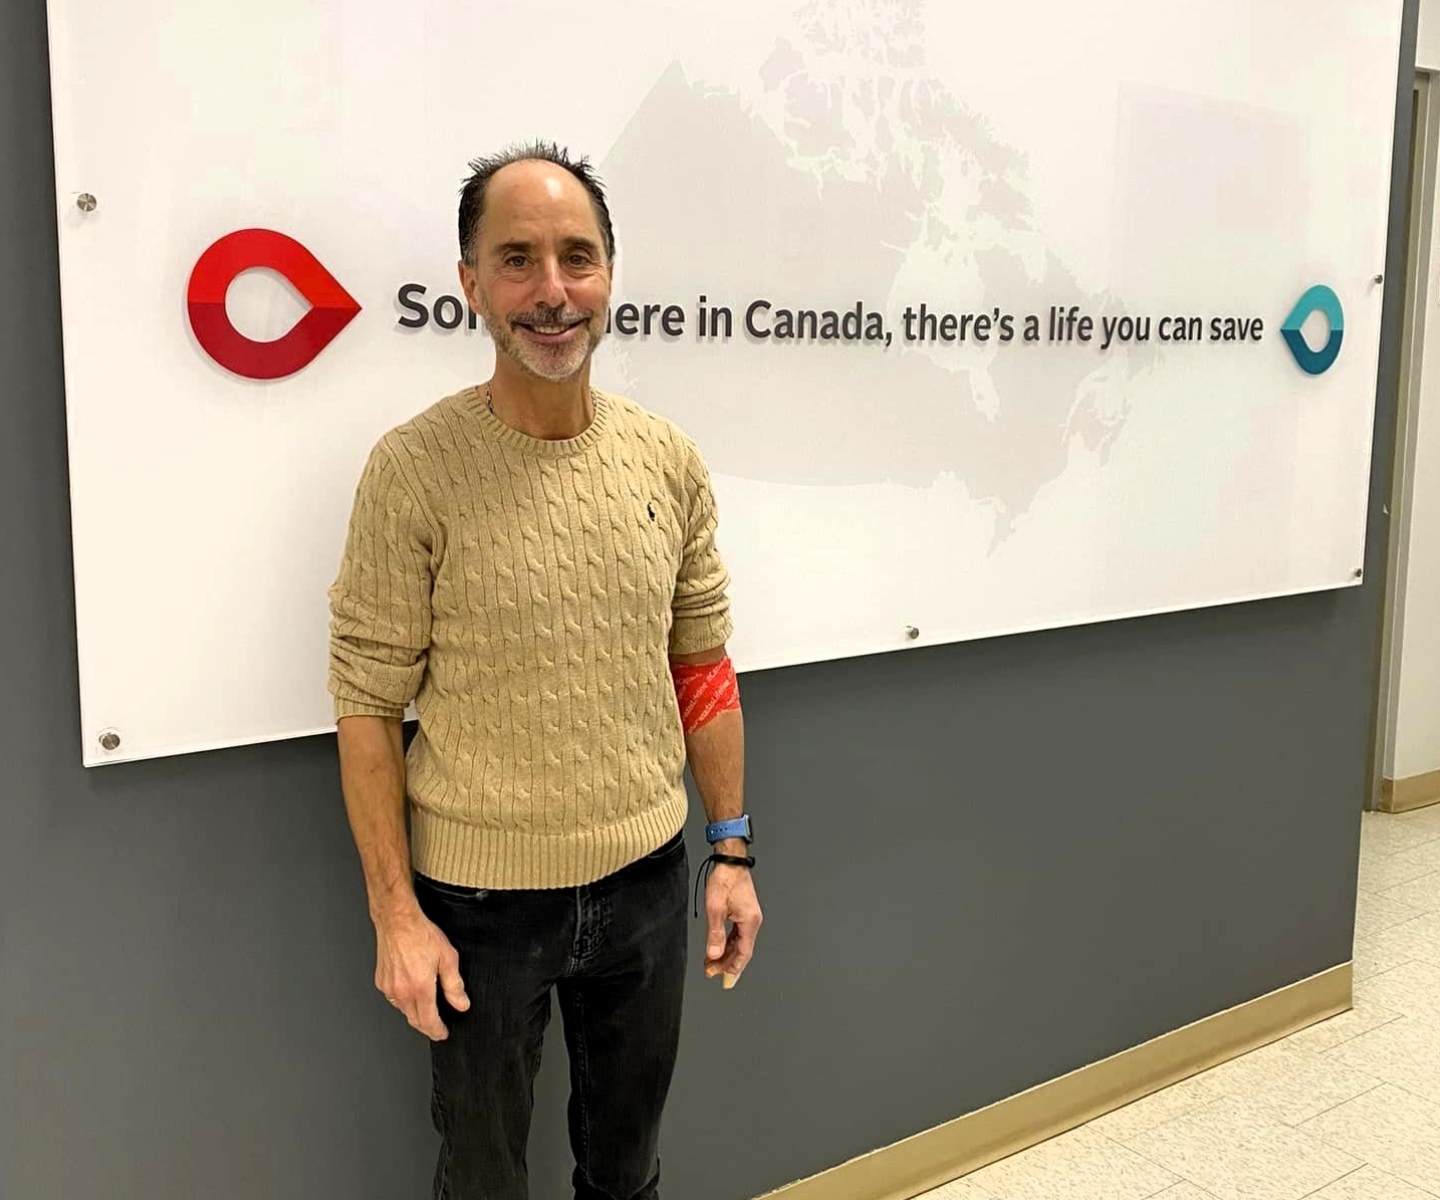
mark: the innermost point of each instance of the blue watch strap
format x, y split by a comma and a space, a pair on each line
739, 827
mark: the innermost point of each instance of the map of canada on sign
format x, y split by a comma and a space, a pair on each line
901, 186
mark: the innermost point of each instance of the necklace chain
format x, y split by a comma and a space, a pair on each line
490, 399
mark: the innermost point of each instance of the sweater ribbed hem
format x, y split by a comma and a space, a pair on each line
476, 856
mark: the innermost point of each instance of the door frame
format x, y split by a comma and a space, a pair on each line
1419, 227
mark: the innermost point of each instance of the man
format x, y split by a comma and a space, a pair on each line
533, 562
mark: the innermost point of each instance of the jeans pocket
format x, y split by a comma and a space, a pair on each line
452, 891
673, 846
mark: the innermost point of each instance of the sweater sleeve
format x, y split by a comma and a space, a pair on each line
701, 606
380, 602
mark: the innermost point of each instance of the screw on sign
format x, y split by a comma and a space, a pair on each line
85, 202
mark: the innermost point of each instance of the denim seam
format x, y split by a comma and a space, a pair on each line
577, 948
582, 1079
442, 1167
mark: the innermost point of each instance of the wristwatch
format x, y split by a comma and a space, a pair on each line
740, 827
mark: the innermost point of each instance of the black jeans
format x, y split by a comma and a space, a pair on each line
614, 953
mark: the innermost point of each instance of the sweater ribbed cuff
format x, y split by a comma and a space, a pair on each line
345, 707
695, 635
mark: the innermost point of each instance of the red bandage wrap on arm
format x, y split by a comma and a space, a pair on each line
705, 691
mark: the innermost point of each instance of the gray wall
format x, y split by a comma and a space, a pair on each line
1056, 846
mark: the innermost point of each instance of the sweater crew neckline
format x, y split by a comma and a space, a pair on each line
541, 447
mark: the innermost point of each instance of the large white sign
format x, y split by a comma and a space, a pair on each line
977, 311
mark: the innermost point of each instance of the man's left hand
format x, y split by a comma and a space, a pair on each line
730, 897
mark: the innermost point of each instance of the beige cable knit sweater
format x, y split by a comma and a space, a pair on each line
526, 594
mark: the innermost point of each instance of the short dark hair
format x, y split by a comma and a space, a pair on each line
482, 170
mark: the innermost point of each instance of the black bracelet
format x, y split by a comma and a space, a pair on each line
724, 860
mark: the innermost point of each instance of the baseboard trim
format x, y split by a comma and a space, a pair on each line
1415, 791
927, 1160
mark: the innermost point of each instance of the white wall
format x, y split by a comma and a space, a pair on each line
1417, 726
1427, 43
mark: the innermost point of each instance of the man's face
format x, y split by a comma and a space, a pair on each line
540, 279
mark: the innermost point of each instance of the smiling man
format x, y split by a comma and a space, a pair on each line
533, 563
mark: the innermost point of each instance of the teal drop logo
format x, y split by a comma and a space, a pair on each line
1323, 299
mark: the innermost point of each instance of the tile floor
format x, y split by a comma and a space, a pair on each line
1346, 1110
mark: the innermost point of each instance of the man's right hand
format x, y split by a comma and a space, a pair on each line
410, 955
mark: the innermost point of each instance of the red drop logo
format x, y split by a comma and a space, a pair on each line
331, 306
